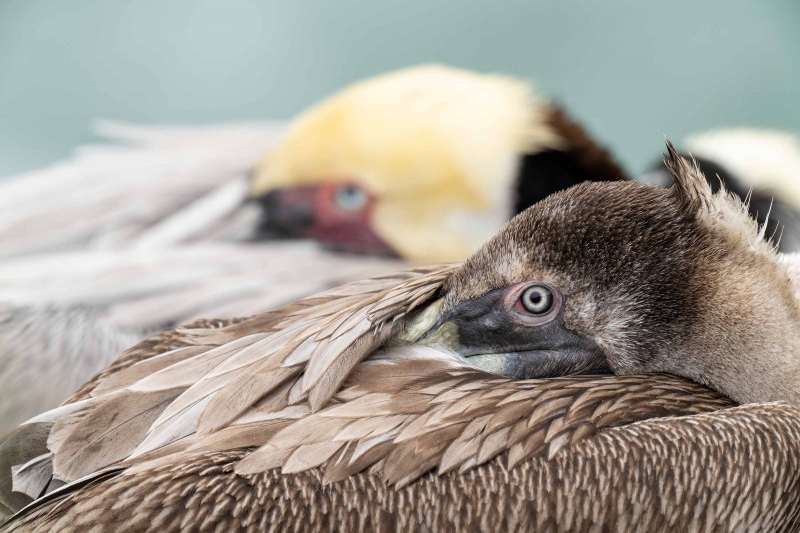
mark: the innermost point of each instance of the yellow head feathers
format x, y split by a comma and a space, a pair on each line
437, 146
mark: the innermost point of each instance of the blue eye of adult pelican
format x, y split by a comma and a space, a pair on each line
537, 299
350, 197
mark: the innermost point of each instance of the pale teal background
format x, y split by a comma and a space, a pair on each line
633, 70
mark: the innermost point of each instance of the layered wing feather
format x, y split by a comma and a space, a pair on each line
169, 390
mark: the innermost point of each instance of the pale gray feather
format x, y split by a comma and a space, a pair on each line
33, 382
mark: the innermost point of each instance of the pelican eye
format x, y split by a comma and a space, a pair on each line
350, 197
537, 299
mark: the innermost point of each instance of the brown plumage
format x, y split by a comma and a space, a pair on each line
344, 411
591, 488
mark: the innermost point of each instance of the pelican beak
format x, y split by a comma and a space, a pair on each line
488, 336
287, 213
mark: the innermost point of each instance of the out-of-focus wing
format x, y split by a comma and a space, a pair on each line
156, 185
158, 288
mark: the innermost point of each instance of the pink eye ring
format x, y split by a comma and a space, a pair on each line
534, 303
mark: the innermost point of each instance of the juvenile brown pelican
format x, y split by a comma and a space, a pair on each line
369, 407
129, 239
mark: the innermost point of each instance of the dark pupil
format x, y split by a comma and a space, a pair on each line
537, 300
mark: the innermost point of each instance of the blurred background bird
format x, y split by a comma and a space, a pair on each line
423, 163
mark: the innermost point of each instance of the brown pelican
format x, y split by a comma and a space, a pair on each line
397, 402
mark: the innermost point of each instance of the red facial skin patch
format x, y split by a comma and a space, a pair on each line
336, 214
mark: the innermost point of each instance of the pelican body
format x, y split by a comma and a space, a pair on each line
456, 396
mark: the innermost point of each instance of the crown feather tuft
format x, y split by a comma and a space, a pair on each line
690, 187
721, 211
